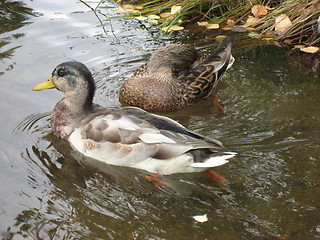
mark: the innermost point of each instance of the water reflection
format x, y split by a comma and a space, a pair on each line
13, 15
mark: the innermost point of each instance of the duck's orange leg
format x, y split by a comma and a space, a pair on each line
216, 103
153, 178
215, 176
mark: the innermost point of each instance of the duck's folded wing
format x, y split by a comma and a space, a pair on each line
172, 129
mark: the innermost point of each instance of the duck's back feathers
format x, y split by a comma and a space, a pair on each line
203, 76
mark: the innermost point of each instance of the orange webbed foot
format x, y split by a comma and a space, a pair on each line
216, 103
153, 179
215, 176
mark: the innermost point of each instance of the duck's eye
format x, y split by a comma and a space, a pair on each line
61, 72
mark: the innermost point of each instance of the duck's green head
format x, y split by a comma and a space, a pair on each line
69, 77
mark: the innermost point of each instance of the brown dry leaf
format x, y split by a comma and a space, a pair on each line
282, 23
213, 26
175, 9
231, 22
299, 46
227, 27
165, 14
173, 28
310, 49
203, 24
259, 11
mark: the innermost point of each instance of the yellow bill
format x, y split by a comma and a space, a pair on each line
44, 85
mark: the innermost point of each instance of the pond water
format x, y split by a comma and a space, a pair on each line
49, 192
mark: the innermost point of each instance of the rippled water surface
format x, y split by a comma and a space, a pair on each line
49, 192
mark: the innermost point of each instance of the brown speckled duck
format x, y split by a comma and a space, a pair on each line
176, 76
128, 136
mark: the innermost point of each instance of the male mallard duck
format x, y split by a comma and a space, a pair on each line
176, 77
128, 136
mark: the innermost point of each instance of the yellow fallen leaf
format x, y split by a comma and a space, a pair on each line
219, 38
213, 26
268, 39
141, 18
310, 49
175, 9
250, 21
254, 35
201, 218
203, 23
165, 14
282, 23
259, 10
153, 16
138, 7
173, 28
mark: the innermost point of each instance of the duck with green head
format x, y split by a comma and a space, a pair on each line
176, 76
127, 136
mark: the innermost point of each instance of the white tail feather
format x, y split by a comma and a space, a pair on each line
214, 161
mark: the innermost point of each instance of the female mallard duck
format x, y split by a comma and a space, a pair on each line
127, 137
176, 77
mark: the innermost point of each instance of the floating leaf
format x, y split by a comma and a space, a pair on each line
173, 28
283, 22
213, 26
259, 11
165, 14
254, 35
203, 23
58, 15
141, 18
201, 218
175, 9
310, 49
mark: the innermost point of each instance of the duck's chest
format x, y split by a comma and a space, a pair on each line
62, 122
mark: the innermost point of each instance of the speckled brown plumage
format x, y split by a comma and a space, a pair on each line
175, 77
